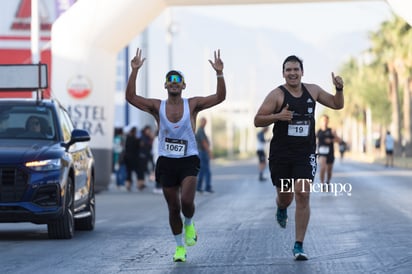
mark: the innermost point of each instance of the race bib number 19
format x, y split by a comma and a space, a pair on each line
176, 147
299, 128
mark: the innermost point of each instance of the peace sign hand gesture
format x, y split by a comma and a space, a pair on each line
218, 63
137, 61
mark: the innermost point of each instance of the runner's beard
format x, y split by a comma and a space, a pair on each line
175, 94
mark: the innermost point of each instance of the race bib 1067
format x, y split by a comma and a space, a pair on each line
175, 146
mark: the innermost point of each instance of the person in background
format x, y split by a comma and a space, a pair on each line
33, 124
131, 158
326, 151
155, 152
203, 145
145, 155
389, 147
148, 138
260, 151
342, 149
119, 167
34, 127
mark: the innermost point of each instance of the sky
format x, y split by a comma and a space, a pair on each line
310, 21
254, 40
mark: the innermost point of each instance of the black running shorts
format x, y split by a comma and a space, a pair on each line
170, 172
330, 159
261, 156
305, 168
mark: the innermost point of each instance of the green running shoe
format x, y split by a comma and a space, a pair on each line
180, 254
282, 217
190, 234
298, 252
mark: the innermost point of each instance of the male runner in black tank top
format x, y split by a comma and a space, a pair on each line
326, 152
292, 162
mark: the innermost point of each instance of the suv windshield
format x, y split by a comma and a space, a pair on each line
26, 122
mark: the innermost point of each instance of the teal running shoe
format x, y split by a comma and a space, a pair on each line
282, 217
298, 252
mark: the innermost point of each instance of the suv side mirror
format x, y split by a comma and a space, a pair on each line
78, 135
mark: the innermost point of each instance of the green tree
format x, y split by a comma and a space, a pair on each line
387, 50
379, 82
404, 66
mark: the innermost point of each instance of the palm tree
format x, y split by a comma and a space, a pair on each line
385, 49
404, 64
376, 82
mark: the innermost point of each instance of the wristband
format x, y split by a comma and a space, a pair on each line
220, 75
339, 89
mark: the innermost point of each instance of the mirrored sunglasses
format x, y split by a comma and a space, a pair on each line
174, 79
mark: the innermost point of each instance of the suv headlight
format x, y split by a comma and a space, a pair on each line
44, 165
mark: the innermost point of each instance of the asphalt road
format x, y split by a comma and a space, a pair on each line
366, 228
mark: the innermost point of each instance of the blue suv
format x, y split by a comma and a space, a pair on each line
46, 168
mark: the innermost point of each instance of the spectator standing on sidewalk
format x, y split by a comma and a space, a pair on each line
203, 145
389, 147
132, 159
146, 156
260, 151
155, 152
118, 157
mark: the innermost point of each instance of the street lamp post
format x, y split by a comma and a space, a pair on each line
172, 29
35, 32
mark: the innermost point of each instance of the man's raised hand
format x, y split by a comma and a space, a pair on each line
337, 81
218, 63
137, 61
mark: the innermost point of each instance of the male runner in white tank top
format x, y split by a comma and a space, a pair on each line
178, 163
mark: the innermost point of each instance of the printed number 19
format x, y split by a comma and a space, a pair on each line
299, 129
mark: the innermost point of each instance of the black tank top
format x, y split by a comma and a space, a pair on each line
323, 147
292, 140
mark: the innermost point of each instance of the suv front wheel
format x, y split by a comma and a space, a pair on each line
63, 228
87, 223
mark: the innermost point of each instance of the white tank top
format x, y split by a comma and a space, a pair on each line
176, 140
